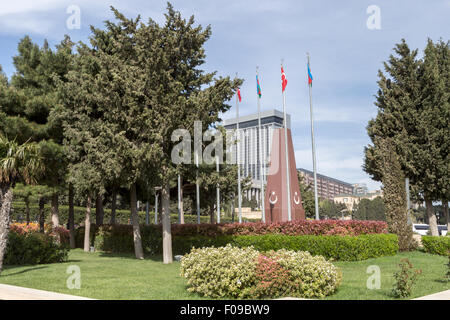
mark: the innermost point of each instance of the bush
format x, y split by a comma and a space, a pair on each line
220, 272
436, 245
345, 248
298, 274
122, 216
245, 273
293, 228
119, 238
405, 279
34, 248
59, 233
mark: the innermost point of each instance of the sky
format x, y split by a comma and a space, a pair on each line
346, 53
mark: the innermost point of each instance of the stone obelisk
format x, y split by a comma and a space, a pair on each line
276, 197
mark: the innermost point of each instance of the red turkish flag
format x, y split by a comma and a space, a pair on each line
239, 94
283, 80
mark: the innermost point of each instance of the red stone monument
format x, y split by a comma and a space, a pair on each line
276, 198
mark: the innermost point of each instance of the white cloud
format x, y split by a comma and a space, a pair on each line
27, 6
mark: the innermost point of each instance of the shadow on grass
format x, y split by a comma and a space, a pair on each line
156, 258
22, 271
442, 281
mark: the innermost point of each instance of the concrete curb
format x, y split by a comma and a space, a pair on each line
444, 295
8, 292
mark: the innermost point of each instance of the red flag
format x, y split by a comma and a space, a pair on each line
239, 94
283, 79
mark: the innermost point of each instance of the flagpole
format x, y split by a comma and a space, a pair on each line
288, 183
238, 156
261, 175
179, 198
316, 198
218, 191
197, 189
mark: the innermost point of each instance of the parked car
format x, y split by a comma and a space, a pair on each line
423, 229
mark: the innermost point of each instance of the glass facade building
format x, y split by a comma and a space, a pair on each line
251, 144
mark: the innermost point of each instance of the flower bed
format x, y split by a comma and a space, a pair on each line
294, 228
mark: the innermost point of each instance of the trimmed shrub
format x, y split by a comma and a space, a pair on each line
34, 248
436, 245
122, 216
245, 273
293, 228
296, 274
123, 233
345, 248
220, 272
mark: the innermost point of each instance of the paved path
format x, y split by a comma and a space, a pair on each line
444, 295
8, 292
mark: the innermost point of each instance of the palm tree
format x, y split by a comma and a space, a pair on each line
17, 163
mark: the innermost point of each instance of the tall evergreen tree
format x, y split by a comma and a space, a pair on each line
413, 114
178, 92
26, 105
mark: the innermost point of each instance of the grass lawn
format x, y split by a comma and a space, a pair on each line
108, 276
355, 277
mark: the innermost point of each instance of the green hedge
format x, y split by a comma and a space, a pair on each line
436, 245
345, 248
122, 216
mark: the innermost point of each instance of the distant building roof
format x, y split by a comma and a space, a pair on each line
321, 176
251, 120
367, 195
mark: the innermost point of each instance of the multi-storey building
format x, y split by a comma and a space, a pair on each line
360, 189
327, 187
350, 200
250, 144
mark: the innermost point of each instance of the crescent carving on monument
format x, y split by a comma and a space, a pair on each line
296, 200
270, 198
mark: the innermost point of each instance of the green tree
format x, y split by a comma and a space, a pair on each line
330, 209
26, 106
178, 92
18, 162
307, 194
413, 114
368, 209
394, 195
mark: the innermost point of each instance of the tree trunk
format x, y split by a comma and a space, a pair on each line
165, 217
27, 210
212, 214
71, 218
432, 221
55, 210
138, 251
181, 202
232, 210
113, 207
6, 198
41, 215
87, 225
55, 215
99, 210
